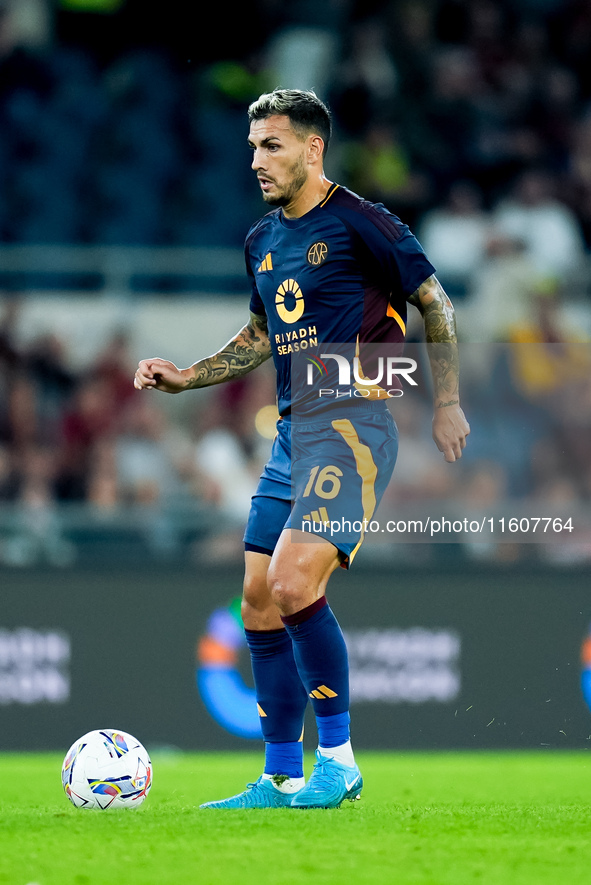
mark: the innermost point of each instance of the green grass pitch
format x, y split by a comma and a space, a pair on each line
435, 819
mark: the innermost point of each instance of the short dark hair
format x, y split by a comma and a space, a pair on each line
307, 113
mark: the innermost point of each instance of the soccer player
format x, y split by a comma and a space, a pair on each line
324, 266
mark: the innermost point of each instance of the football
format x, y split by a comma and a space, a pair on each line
107, 769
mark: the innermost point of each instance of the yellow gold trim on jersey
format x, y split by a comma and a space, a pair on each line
396, 316
267, 264
331, 191
366, 469
262, 713
375, 391
293, 315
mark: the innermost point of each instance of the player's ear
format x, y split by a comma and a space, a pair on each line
315, 149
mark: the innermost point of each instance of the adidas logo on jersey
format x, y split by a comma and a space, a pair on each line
267, 264
320, 515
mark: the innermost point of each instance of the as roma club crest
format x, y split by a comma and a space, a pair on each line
317, 253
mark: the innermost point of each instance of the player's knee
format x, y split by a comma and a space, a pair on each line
284, 592
255, 594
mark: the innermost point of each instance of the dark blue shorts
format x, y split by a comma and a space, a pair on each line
326, 477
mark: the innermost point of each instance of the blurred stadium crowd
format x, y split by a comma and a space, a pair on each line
131, 147
470, 119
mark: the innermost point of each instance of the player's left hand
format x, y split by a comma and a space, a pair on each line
450, 430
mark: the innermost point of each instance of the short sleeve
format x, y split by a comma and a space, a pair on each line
256, 302
413, 265
389, 244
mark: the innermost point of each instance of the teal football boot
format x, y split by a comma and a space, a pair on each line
330, 783
261, 794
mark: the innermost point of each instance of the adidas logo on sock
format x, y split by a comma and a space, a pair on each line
322, 693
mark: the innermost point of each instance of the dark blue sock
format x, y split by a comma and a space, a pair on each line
321, 657
333, 731
281, 699
285, 758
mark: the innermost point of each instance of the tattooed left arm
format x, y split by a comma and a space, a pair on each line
450, 427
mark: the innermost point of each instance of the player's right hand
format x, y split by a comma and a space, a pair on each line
158, 374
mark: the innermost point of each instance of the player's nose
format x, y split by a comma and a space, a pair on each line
256, 161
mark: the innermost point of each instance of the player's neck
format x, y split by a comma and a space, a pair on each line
312, 193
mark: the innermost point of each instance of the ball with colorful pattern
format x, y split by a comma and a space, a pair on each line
107, 769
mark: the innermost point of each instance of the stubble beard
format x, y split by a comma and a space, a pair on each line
298, 178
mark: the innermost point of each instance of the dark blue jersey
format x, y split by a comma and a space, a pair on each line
340, 273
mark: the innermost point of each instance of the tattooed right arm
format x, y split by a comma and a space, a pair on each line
247, 350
